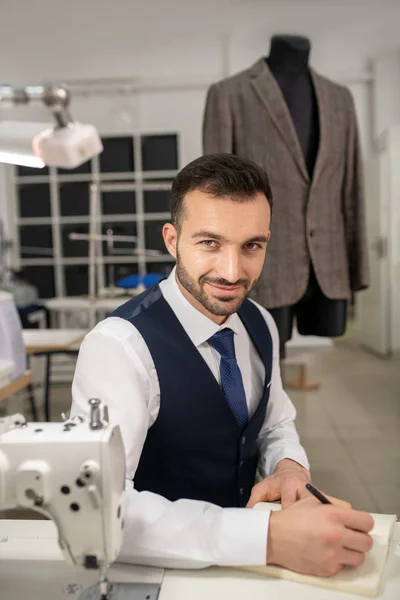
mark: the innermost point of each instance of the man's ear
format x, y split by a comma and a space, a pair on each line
170, 236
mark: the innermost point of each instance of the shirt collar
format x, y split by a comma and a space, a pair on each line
198, 327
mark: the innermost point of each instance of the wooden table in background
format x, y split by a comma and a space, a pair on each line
16, 385
46, 342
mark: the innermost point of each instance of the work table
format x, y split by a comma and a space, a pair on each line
32, 565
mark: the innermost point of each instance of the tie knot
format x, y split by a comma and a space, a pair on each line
223, 343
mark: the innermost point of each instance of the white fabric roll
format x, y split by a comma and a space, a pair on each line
11, 341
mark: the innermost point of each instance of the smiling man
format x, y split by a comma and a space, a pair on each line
190, 372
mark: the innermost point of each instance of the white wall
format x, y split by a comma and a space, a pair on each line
184, 40
386, 97
50, 39
4, 189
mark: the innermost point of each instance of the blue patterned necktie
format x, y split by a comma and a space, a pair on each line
231, 377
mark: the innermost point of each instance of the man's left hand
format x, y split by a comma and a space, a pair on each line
287, 484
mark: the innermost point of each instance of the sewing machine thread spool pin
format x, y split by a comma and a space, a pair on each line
95, 414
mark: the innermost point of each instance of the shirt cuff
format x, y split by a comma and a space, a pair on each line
297, 454
243, 537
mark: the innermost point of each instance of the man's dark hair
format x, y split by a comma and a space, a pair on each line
222, 176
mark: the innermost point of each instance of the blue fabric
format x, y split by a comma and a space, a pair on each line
195, 449
27, 310
133, 280
231, 377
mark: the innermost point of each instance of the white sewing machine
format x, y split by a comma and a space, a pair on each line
57, 468
73, 473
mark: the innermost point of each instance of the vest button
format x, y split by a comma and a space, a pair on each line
244, 439
241, 491
241, 464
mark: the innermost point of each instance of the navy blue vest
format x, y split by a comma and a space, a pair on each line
195, 449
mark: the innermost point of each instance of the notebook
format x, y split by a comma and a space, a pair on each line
364, 580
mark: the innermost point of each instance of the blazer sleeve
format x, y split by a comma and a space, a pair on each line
217, 121
354, 207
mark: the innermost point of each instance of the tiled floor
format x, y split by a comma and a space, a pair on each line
350, 427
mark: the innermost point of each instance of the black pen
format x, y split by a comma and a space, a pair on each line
317, 494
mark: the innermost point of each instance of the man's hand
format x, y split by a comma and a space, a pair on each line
287, 483
317, 539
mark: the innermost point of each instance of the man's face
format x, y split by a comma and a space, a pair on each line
219, 251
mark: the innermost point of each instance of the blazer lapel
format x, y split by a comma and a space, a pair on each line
271, 96
325, 121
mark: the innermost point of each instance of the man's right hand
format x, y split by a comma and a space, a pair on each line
318, 539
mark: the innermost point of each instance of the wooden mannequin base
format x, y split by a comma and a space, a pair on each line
302, 383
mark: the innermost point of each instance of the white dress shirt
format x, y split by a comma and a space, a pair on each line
115, 364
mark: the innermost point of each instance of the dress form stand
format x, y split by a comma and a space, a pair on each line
288, 62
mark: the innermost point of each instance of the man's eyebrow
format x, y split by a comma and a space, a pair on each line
203, 233
258, 238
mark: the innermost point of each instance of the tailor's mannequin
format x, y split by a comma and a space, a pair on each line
288, 62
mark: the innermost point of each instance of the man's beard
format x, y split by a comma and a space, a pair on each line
214, 305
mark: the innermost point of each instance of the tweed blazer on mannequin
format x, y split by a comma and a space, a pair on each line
322, 219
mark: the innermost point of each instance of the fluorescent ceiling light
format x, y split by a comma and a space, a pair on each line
13, 158
16, 139
66, 145
39, 144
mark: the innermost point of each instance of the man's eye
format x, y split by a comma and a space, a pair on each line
209, 243
252, 246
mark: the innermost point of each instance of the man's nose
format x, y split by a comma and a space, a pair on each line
230, 266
